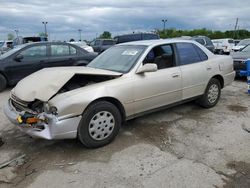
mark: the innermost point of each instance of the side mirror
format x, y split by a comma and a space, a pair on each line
18, 57
149, 67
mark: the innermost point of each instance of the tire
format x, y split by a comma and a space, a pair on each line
212, 94
3, 83
99, 125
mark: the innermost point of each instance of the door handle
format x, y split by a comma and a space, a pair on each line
209, 68
175, 75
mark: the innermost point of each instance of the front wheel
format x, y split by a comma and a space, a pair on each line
212, 94
99, 125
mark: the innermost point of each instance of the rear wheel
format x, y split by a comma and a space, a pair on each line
3, 82
99, 125
211, 95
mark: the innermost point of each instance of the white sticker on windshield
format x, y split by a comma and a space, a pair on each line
130, 52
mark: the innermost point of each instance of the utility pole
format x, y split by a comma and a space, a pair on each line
164, 24
236, 26
45, 28
16, 30
80, 33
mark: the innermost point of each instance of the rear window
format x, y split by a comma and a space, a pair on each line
231, 41
187, 53
202, 54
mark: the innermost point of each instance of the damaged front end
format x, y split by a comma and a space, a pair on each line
31, 109
38, 119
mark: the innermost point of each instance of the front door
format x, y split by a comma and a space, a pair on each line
31, 62
160, 88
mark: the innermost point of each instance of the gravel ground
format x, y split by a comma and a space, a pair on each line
184, 146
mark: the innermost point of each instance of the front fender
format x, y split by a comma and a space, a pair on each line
73, 103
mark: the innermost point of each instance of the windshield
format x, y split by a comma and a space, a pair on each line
118, 58
1, 44
244, 42
246, 49
12, 51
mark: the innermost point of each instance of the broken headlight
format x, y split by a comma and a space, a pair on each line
50, 109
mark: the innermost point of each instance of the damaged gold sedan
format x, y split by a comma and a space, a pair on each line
90, 103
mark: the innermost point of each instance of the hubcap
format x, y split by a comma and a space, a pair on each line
101, 125
213, 93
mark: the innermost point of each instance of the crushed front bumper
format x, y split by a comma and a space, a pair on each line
53, 129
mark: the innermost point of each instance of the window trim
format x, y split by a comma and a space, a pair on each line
178, 54
195, 46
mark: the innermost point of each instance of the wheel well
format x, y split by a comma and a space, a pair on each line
7, 80
115, 102
221, 80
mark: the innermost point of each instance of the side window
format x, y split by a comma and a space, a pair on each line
162, 56
72, 50
202, 54
34, 52
59, 50
187, 53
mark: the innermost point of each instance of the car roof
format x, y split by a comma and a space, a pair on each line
45, 42
155, 42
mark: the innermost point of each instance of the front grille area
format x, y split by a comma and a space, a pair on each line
19, 104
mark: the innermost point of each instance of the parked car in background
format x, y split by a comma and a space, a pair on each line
28, 58
100, 45
5, 46
23, 40
135, 37
205, 41
236, 41
130, 79
223, 46
240, 58
241, 45
83, 45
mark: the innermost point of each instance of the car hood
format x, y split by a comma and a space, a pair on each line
44, 84
240, 55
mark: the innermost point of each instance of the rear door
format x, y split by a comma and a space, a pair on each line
195, 69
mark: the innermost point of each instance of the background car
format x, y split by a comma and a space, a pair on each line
205, 41
223, 46
241, 45
28, 58
240, 58
23, 40
100, 45
5, 46
83, 45
135, 37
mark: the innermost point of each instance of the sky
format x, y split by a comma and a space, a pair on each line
66, 17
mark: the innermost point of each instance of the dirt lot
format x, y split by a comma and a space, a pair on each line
184, 146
